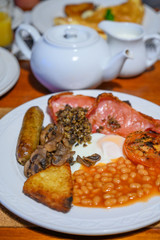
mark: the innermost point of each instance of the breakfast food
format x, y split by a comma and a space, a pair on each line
88, 14
143, 147
59, 101
108, 114
54, 149
98, 150
78, 9
77, 128
29, 134
52, 187
114, 184
111, 115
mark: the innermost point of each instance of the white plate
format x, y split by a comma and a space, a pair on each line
17, 17
9, 71
45, 12
79, 220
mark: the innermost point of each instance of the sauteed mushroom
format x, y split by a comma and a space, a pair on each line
51, 131
37, 162
61, 155
88, 161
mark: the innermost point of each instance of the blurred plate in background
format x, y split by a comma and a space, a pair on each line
44, 13
9, 71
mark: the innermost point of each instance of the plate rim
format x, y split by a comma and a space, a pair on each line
11, 81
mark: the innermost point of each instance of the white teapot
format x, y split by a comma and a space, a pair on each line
145, 49
70, 57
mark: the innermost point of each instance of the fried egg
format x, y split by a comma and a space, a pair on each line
109, 147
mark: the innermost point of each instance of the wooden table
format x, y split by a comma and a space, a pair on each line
27, 88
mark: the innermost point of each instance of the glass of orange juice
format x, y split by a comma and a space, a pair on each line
6, 33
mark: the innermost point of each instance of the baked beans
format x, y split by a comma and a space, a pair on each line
114, 184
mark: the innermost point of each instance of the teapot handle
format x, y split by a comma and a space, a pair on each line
152, 43
20, 41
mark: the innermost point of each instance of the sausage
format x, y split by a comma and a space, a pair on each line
29, 134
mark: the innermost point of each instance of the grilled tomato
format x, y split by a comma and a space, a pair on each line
143, 147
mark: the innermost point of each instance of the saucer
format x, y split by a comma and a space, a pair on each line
9, 71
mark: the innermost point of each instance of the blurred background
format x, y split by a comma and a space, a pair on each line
29, 4
153, 3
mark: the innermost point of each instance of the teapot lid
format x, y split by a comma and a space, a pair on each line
71, 36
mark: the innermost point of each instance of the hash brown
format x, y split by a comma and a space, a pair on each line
52, 187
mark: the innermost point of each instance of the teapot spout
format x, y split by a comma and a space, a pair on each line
115, 64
